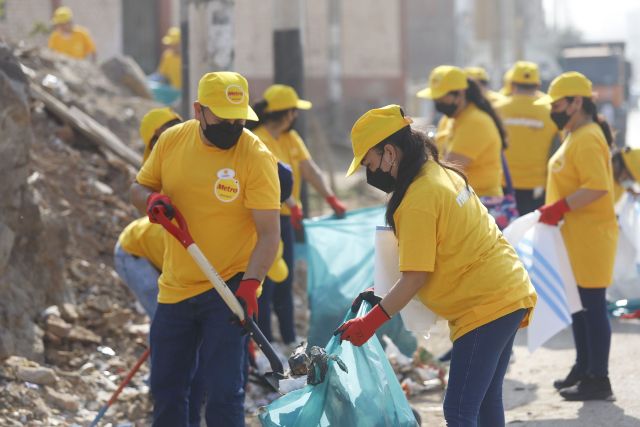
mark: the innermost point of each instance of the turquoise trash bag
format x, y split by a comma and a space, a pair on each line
339, 254
161, 90
367, 395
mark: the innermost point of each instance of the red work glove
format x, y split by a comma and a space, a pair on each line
247, 293
296, 217
157, 200
553, 213
338, 207
359, 330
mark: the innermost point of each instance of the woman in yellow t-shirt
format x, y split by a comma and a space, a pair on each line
452, 257
580, 191
476, 137
170, 66
277, 112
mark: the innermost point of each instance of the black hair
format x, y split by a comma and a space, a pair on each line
416, 149
590, 107
617, 162
263, 117
474, 94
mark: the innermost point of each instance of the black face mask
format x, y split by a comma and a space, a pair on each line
446, 109
223, 135
381, 180
560, 119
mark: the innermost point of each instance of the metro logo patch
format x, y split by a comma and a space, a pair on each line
226, 188
234, 94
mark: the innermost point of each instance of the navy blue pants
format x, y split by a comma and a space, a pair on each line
479, 362
195, 334
592, 333
280, 294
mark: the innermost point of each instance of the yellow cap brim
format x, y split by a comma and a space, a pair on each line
544, 100
236, 113
60, 21
355, 164
424, 93
278, 271
168, 41
303, 104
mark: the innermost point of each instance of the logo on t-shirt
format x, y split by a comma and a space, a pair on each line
227, 187
557, 164
235, 94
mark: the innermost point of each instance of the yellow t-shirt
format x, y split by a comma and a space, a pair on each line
290, 150
78, 44
494, 97
476, 276
475, 135
170, 67
443, 132
215, 190
530, 133
591, 232
144, 239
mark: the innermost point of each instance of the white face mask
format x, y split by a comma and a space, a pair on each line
627, 184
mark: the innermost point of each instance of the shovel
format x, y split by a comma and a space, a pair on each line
181, 232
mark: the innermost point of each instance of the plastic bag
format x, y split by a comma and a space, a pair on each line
416, 317
340, 260
541, 249
626, 269
368, 395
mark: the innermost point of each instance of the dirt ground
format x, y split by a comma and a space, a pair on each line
531, 400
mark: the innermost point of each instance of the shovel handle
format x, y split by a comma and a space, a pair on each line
180, 232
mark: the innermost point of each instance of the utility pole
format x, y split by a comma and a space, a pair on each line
185, 104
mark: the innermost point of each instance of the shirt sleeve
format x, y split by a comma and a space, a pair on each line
470, 139
263, 186
416, 240
592, 164
301, 152
52, 42
150, 173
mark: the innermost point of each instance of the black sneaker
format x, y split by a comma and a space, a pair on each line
589, 388
572, 379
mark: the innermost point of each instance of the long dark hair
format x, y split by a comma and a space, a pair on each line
416, 149
590, 108
474, 94
264, 117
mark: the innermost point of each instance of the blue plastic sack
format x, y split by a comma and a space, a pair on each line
161, 90
339, 255
368, 395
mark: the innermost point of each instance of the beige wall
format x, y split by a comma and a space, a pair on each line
21, 18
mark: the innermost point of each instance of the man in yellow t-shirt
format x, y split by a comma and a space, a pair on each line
170, 66
224, 181
71, 40
531, 134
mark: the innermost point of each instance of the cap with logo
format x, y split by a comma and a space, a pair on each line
282, 97
226, 94
477, 74
373, 127
62, 15
151, 122
567, 84
631, 159
525, 72
442, 80
172, 37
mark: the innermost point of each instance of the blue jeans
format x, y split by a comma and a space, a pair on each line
140, 276
592, 333
196, 334
479, 362
280, 294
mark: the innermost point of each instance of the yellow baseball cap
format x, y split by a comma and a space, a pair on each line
567, 84
279, 270
226, 94
373, 127
477, 73
283, 97
506, 82
525, 72
172, 37
442, 80
631, 159
151, 122
62, 15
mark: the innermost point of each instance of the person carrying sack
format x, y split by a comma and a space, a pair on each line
452, 258
580, 192
225, 183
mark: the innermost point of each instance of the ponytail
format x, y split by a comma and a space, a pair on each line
589, 107
474, 94
416, 149
263, 117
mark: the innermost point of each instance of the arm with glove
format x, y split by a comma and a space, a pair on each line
359, 330
553, 213
312, 173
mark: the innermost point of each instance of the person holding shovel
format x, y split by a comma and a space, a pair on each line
452, 258
580, 191
225, 183
277, 113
